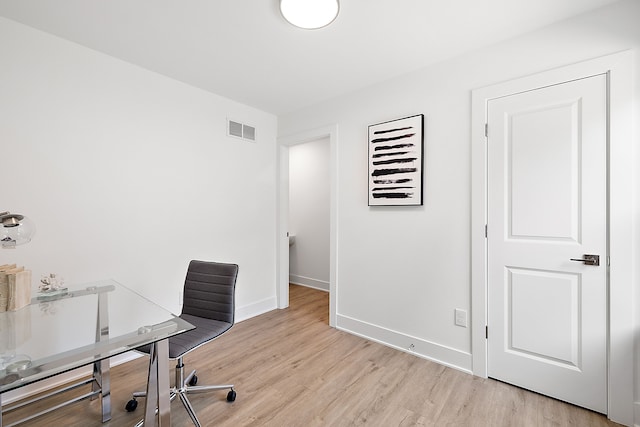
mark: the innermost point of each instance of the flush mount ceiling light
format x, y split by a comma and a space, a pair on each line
310, 14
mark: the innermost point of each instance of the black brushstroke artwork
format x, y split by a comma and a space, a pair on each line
380, 172
378, 132
392, 147
392, 195
395, 153
392, 138
395, 169
392, 181
392, 161
391, 188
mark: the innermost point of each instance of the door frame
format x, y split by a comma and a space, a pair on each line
620, 186
282, 226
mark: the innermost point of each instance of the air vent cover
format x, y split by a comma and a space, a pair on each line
241, 130
235, 129
249, 132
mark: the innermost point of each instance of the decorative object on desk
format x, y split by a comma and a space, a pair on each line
15, 229
50, 284
15, 287
395, 162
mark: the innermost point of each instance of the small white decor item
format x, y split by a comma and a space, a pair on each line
51, 283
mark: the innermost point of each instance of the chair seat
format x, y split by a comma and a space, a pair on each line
205, 330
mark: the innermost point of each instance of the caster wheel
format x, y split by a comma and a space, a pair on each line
231, 396
193, 381
131, 405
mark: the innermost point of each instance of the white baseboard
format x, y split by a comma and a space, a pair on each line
256, 309
58, 380
309, 282
425, 349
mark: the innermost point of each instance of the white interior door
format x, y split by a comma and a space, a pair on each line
547, 199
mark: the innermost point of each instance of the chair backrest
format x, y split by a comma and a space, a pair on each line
209, 290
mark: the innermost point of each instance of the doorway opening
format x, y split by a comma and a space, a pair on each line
309, 201
328, 133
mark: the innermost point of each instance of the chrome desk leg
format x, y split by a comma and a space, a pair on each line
102, 383
164, 403
158, 386
101, 375
0, 409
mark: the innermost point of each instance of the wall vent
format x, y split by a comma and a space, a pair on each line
241, 130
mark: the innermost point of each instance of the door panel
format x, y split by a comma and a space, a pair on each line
551, 298
544, 205
547, 205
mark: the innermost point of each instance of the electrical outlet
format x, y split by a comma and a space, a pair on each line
461, 317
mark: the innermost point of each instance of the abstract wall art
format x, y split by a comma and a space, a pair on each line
395, 162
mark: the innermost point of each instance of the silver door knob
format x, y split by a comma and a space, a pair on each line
588, 259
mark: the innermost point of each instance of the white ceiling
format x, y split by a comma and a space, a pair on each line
244, 50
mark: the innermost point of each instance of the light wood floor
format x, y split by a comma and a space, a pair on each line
291, 369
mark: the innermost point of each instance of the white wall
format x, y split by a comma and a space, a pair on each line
407, 293
127, 153
129, 175
309, 213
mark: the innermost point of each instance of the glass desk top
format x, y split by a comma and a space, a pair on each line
85, 324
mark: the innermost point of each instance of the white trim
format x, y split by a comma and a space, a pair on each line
309, 282
282, 263
621, 223
417, 346
255, 309
282, 228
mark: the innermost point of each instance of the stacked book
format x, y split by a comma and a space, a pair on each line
15, 287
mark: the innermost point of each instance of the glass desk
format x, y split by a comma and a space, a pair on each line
86, 325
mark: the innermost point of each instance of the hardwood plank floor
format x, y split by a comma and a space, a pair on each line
291, 369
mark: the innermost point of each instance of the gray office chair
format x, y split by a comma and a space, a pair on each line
209, 305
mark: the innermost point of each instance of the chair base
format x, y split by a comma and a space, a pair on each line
184, 386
